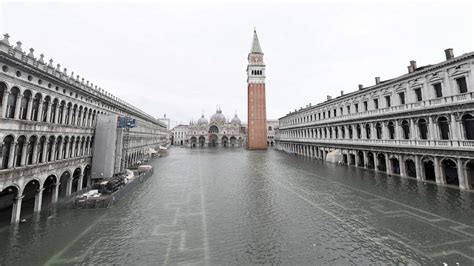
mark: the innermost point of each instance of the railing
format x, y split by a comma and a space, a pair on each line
388, 110
388, 142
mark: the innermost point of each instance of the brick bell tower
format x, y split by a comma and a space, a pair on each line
257, 116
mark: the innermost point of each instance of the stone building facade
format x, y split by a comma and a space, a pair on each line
272, 127
218, 132
178, 134
419, 124
47, 123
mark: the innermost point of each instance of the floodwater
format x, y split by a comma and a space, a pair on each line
223, 206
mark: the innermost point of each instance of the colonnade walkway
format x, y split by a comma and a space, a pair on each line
226, 206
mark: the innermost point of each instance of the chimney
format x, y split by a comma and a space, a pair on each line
329, 97
449, 53
377, 80
413, 64
342, 93
361, 86
410, 69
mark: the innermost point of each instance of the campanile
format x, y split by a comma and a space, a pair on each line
257, 117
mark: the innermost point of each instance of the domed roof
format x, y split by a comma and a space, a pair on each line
218, 117
236, 120
202, 120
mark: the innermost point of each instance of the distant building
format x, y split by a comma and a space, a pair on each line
165, 121
178, 135
272, 126
218, 132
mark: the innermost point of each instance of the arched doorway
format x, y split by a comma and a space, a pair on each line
193, 142
29, 197
370, 160
75, 179
395, 165
7, 199
360, 156
382, 164
86, 176
48, 186
63, 184
202, 141
428, 167
233, 141
450, 172
224, 141
410, 168
213, 140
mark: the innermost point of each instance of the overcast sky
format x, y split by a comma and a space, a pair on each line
182, 59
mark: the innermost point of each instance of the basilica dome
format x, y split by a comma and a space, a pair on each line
236, 120
202, 120
218, 117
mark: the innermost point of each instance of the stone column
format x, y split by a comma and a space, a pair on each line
16, 210
34, 159
438, 172
346, 132
38, 200
45, 149
373, 131
73, 153
11, 156
23, 153
413, 131
388, 164
48, 113
54, 196
454, 128
69, 187
463, 184
79, 184
53, 151
431, 128
356, 159
4, 104
17, 106
56, 114
40, 110
29, 109
418, 167
76, 121
63, 117
60, 153
66, 155
366, 163
376, 162
401, 163
397, 130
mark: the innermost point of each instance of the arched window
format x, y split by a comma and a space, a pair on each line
391, 130
378, 127
367, 131
468, 124
423, 129
406, 129
359, 132
443, 128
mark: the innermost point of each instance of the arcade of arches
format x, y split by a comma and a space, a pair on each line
454, 171
36, 194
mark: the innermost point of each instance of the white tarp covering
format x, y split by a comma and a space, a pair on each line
334, 156
151, 151
163, 148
